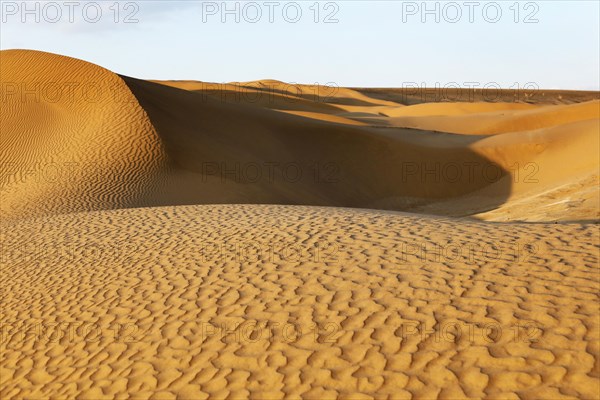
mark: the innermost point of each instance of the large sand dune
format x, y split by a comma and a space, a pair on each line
142, 255
73, 138
93, 140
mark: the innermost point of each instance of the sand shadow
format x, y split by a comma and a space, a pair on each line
236, 153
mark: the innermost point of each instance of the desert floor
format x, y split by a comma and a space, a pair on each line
194, 240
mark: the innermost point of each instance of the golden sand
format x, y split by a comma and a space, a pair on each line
140, 256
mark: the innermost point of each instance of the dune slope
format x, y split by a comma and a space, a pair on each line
141, 255
444, 118
272, 301
244, 153
171, 146
77, 137
73, 138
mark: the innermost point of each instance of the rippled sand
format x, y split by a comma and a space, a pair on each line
135, 265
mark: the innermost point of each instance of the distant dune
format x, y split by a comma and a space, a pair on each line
119, 142
193, 240
530, 93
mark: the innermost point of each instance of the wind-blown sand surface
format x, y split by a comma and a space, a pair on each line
140, 256
327, 302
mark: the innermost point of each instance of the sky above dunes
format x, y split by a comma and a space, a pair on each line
510, 44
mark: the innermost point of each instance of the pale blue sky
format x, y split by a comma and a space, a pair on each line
370, 45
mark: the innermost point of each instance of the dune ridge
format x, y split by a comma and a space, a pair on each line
188, 142
73, 138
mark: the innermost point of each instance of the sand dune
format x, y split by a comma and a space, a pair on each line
527, 94
143, 256
138, 143
73, 138
500, 120
332, 164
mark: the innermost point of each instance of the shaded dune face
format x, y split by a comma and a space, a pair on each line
77, 137
215, 149
547, 145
